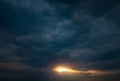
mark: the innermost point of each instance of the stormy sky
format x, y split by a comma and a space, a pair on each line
36, 35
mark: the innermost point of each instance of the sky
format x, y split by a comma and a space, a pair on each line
37, 35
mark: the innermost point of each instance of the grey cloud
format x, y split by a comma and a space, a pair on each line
13, 67
41, 33
36, 5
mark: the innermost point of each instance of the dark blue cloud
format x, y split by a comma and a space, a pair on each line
36, 35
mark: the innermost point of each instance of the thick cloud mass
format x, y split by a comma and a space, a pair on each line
35, 35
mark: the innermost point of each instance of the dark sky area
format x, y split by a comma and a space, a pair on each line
36, 35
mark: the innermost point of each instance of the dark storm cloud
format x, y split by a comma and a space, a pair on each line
34, 35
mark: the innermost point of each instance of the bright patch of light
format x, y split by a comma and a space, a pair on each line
64, 70
68, 70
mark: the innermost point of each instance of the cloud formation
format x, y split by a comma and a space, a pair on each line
35, 35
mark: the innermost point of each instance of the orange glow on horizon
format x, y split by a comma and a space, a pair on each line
63, 69
68, 70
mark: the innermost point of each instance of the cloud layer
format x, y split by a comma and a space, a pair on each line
36, 35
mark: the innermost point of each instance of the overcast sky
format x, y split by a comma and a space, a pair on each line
36, 35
